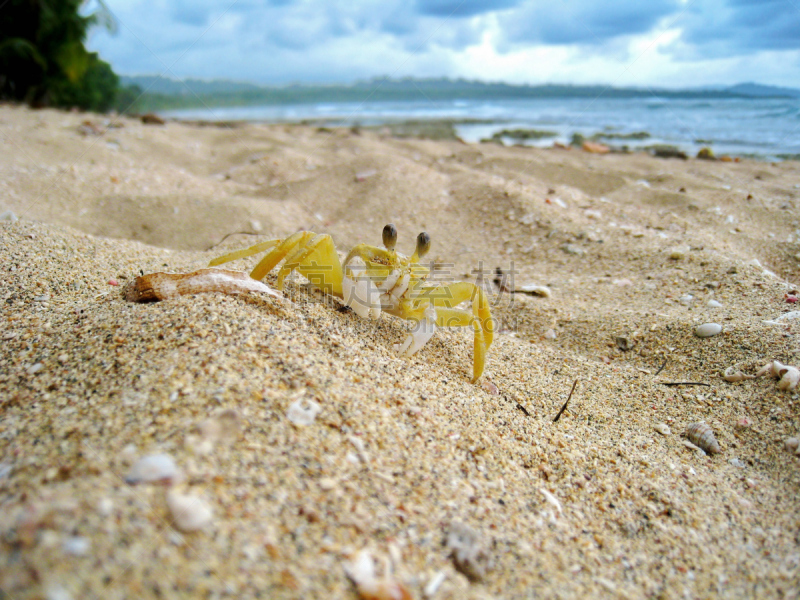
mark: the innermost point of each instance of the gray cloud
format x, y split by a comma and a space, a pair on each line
734, 27
461, 8
582, 21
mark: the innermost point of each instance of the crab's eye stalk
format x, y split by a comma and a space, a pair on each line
423, 244
390, 237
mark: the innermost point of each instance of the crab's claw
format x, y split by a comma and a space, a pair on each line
422, 332
359, 291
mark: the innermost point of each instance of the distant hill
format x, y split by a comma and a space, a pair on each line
756, 90
156, 84
161, 93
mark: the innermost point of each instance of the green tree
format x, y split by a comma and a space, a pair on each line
43, 60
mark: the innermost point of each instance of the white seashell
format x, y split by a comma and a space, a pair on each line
662, 428
535, 290
792, 444
154, 468
302, 412
772, 369
550, 334
189, 513
707, 330
702, 436
370, 587
790, 377
686, 299
714, 303
735, 376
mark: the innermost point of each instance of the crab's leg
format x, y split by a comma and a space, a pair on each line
453, 294
278, 254
318, 262
260, 247
446, 297
454, 317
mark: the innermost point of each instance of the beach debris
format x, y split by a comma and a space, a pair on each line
702, 436
468, 551
781, 320
788, 376
434, 584
595, 147
364, 175
154, 468
662, 428
706, 153
624, 343
303, 411
563, 408
222, 428
372, 280
792, 444
361, 571
152, 119
8, 215
666, 151
552, 500
161, 286
707, 330
189, 513
735, 376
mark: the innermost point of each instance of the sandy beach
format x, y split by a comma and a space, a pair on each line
635, 252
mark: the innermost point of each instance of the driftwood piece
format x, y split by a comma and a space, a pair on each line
160, 286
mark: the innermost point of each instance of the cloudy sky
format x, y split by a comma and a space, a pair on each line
666, 43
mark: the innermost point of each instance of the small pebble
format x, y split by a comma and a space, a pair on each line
792, 444
154, 468
707, 330
35, 368
573, 249
686, 299
678, 252
662, 428
76, 546
550, 334
113, 282
302, 412
737, 463
189, 513
8, 215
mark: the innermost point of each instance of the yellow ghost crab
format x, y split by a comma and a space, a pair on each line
380, 279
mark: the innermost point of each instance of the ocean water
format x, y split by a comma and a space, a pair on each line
767, 128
